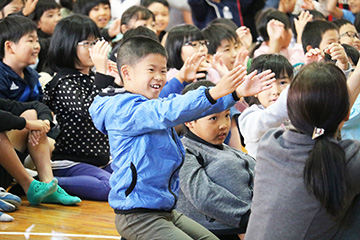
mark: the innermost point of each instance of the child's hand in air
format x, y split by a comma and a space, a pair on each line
188, 72
242, 58
99, 56
275, 29
255, 83
218, 64
244, 36
29, 7
314, 55
228, 83
337, 52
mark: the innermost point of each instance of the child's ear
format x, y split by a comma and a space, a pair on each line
308, 47
9, 47
125, 72
123, 28
189, 125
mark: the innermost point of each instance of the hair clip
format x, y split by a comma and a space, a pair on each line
318, 132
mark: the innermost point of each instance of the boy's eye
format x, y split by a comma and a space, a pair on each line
213, 118
227, 115
163, 72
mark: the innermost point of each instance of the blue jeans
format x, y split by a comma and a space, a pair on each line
85, 181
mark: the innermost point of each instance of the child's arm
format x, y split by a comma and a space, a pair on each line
300, 23
275, 30
335, 11
354, 85
198, 188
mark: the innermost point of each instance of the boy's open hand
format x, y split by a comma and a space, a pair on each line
218, 64
337, 52
228, 83
244, 36
99, 56
188, 72
314, 55
255, 83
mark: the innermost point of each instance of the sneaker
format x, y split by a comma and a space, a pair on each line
6, 207
39, 190
5, 217
10, 198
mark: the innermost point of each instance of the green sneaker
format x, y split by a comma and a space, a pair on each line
39, 190
60, 196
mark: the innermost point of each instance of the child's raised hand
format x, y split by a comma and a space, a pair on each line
218, 64
275, 29
300, 23
188, 72
244, 36
29, 7
99, 56
314, 55
255, 83
228, 83
337, 52
242, 58
114, 28
308, 4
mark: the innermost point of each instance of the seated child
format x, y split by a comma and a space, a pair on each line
137, 16
29, 123
147, 153
348, 14
160, 8
200, 181
19, 49
348, 33
100, 12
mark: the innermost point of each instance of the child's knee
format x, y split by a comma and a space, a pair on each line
30, 114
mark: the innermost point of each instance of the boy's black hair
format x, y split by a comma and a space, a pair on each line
352, 53
341, 22
69, 4
41, 7
139, 31
177, 37
84, 6
313, 33
68, 33
277, 63
147, 3
225, 21
196, 85
215, 33
317, 15
3, 3
12, 28
136, 13
134, 49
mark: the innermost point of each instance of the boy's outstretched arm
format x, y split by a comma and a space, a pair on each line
228, 83
354, 84
255, 83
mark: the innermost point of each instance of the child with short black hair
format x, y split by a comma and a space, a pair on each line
19, 48
147, 153
160, 8
200, 181
137, 16
348, 33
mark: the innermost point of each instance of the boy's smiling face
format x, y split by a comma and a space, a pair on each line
229, 50
213, 128
48, 20
26, 50
146, 77
329, 37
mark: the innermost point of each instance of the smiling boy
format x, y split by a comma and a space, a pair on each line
147, 153
19, 49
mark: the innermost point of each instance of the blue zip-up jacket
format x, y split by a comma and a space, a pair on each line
13, 87
147, 153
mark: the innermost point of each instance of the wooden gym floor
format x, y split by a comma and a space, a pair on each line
87, 220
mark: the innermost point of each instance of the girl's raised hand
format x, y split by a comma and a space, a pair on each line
188, 72
99, 56
255, 83
242, 58
228, 83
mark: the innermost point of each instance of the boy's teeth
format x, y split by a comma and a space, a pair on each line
155, 86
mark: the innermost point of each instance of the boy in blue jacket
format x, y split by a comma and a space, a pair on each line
147, 153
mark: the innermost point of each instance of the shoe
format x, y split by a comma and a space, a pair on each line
5, 217
39, 190
6, 207
60, 196
10, 198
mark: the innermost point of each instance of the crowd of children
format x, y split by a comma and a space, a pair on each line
191, 132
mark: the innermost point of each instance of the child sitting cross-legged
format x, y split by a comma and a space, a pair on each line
220, 202
147, 153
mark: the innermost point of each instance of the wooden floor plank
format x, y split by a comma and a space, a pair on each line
88, 220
